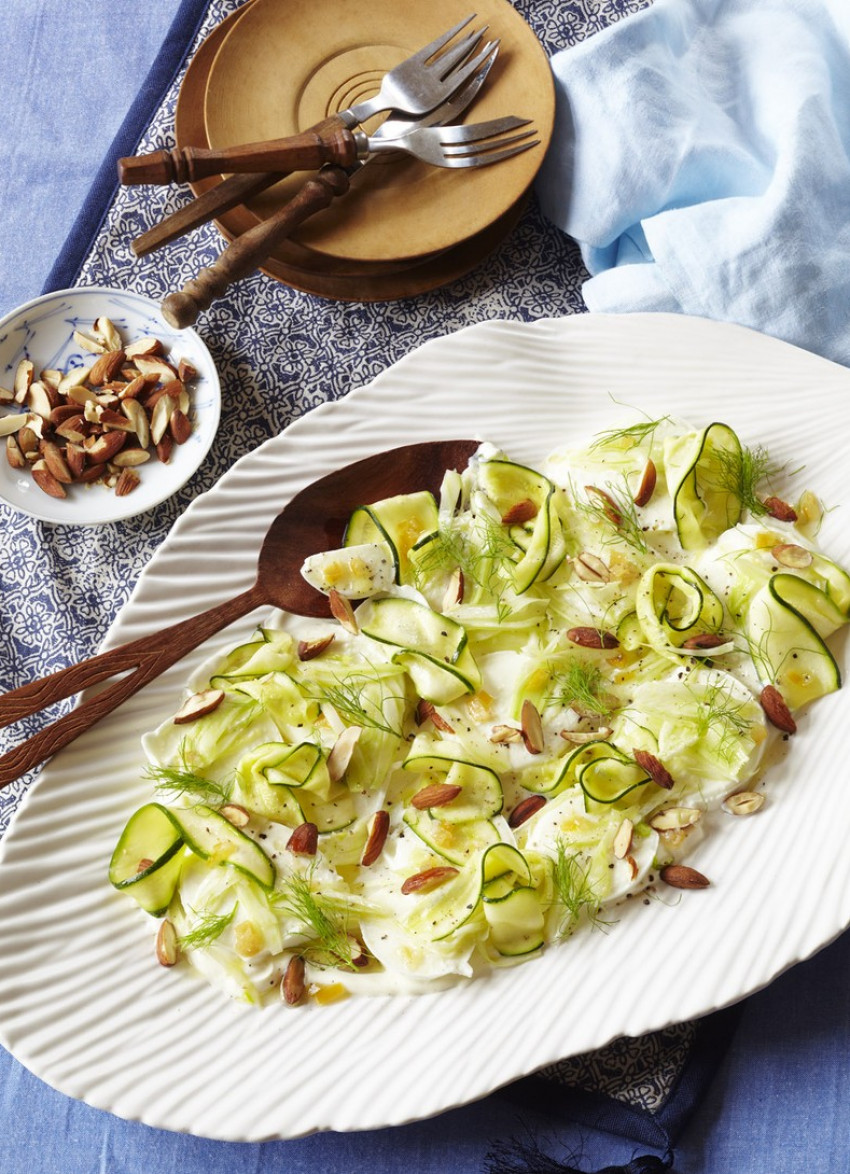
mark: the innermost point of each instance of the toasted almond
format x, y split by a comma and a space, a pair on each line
151, 365
592, 638
128, 480
532, 727
186, 372
29, 437
520, 512
40, 401
340, 756
378, 828
431, 878
591, 569
308, 649
582, 737
293, 986
304, 841
673, 819
143, 346
525, 809
45, 480
198, 705
705, 641
776, 710
110, 419
106, 332
435, 795
647, 484
94, 346
100, 449
131, 388
73, 428
779, 509
78, 394
24, 373
160, 416
743, 803
105, 368
14, 455
130, 457
622, 845
76, 458
12, 423
501, 733
426, 711
789, 554
342, 611
234, 813
180, 426
63, 412
164, 449
654, 768
55, 461
167, 944
453, 594
681, 876
609, 506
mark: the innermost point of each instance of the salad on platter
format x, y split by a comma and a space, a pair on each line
538, 693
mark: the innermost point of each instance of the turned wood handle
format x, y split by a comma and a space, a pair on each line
151, 656
249, 251
301, 152
236, 189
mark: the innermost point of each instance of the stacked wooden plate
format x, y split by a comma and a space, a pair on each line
272, 69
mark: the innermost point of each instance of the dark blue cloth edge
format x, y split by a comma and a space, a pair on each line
169, 60
598, 1111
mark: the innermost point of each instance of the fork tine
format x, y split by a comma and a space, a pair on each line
445, 63
459, 75
485, 158
436, 45
451, 135
472, 149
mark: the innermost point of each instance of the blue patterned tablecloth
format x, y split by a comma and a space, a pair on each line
78, 68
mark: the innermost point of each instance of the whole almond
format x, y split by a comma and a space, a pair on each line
743, 802
163, 449
435, 795
105, 368
292, 987
131, 457
779, 509
776, 710
304, 841
681, 876
592, 638
654, 768
379, 826
647, 484
167, 944
525, 809
431, 878
180, 426
519, 513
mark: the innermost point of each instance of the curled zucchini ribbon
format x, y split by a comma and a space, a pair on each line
291, 785
700, 469
397, 524
540, 543
788, 620
460, 829
674, 604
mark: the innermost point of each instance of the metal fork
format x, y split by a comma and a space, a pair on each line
476, 145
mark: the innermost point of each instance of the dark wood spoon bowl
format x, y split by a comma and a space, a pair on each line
314, 520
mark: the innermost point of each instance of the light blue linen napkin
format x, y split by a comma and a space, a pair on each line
701, 159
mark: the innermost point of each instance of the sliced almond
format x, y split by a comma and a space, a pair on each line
73, 428
582, 737
12, 423
293, 986
431, 878
453, 594
705, 642
673, 819
647, 484
94, 346
106, 332
45, 480
160, 417
378, 828
14, 455
591, 569
789, 554
525, 809
167, 944
501, 733
29, 437
309, 649
198, 705
7, 395
236, 814
435, 795
131, 388
743, 803
622, 845
340, 756
40, 401
304, 841
24, 373
532, 728
342, 611
519, 513
110, 419
77, 393
681, 876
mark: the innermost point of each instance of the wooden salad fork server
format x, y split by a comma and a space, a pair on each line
313, 521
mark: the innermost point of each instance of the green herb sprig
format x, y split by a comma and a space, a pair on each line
181, 782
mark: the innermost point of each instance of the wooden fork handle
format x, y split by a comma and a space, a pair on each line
248, 251
236, 189
328, 142
148, 657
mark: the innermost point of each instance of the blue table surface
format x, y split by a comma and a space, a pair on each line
778, 1104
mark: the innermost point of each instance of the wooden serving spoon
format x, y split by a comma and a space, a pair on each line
313, 521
